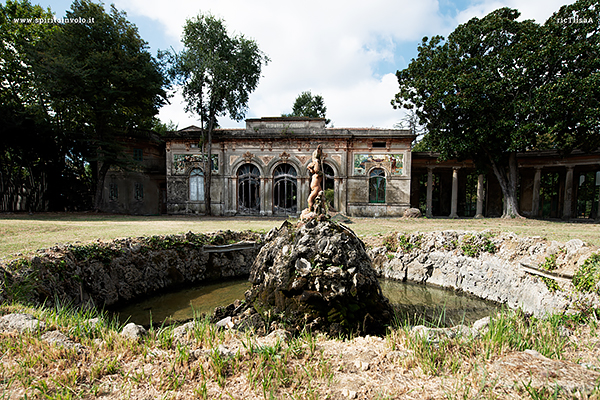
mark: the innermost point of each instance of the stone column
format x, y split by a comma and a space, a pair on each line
479, 210
454, 199
568, 193
336, 192
230, 193
429, 206
303, 190
535, 198
266, 197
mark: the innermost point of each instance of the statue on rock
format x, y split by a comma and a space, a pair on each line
316, 199
313, 275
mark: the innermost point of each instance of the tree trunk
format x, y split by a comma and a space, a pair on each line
100, 185
208, 169
508, 183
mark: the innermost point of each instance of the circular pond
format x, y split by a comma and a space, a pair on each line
414, 304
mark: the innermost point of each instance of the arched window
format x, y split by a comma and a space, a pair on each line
196, 185
284, 190
248, 189
329, 174
377, 186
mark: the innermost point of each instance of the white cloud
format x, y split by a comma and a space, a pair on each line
332, 48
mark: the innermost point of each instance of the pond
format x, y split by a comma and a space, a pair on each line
414, 303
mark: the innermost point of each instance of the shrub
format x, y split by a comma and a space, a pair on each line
549, 263
474, 245
588, 275
391, 243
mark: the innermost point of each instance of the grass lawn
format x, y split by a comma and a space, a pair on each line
22, 233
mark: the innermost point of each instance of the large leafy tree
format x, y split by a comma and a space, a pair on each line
307, 105
218, 72
30, 156
568, 98
472, 94
103, 83
498, 86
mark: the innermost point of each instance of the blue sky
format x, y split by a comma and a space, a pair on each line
347, 51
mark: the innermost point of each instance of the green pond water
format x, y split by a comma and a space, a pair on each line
414, 304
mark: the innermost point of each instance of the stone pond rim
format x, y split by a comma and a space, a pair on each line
124, 270
318, 274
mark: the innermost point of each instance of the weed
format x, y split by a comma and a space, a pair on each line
408, 244
543, 393
586, 278
551, 284
95, 251
219, 364
549, 263
391, 243
474, 245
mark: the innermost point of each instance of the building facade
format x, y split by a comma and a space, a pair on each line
141, 189
262, 170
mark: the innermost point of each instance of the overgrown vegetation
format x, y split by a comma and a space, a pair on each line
474, 245
22, 276
586, 278
211, 362
551, 284
404, 242
508, 331
549, 263
199, 363
95, 251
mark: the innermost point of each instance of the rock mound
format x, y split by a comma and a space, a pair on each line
318, 275
412, 213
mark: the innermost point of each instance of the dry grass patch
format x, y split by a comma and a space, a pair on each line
20, 233
208, 362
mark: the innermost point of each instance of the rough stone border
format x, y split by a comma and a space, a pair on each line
510, 274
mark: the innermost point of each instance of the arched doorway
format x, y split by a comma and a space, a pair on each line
285, 190
248, 189
196, 185
377, 186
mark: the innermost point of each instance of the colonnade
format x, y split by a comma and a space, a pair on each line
568, 198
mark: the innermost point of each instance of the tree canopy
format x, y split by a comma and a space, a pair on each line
307, 105
218, 71
567, 100
483, 92
102, 81
29, 147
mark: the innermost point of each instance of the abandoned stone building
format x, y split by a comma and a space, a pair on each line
262, 170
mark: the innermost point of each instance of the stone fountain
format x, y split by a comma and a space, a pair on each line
314, 274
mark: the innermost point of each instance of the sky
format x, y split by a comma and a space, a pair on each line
346, 51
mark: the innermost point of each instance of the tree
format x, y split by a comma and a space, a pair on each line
472, 93
411, 122
568, 98
307, 105
29, 146
218, 72
103, 84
